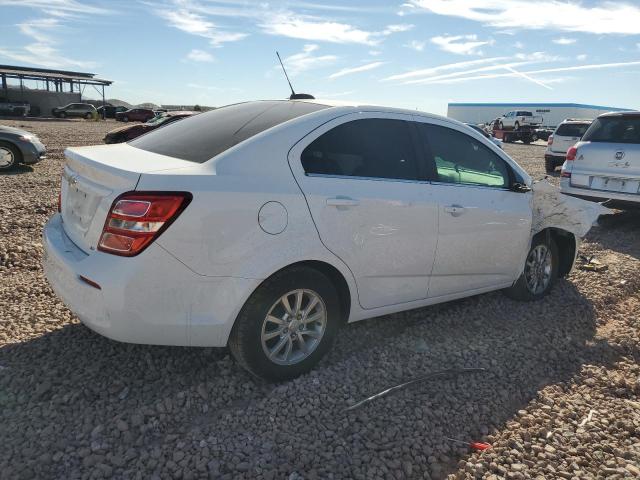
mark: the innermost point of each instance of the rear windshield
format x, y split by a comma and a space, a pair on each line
202, 137
525, 114
572, 129
614, 130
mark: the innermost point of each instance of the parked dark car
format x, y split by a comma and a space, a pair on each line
130, 132
135, 115
19, 146
78, 110
110, 111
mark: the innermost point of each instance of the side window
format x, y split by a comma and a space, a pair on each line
461, 159
375, 148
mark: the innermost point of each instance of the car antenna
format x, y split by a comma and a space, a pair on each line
294, 95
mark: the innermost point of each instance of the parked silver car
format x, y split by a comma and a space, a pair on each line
605, 164
19, 146
78, 110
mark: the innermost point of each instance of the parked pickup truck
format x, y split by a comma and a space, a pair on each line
518, 118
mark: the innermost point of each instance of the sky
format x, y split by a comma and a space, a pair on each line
417, 54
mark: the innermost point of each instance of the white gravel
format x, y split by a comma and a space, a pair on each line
559, 399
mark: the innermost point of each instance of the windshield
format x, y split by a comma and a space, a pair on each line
572, 129
614, 130
202, 137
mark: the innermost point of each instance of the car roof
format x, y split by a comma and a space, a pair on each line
629, 113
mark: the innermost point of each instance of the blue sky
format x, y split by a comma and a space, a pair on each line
407, 53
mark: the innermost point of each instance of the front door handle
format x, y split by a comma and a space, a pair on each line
342, 202
454, 210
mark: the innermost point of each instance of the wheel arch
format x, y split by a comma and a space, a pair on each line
567, 246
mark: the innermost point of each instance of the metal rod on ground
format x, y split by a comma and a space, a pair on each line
424, 378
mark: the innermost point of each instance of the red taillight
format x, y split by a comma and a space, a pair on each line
136, 219
550, 140
571, 154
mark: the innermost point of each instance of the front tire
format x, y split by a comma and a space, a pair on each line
287, 325
516, 126
540, 271
125, 119
10, 156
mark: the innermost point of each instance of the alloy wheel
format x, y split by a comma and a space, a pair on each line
6, 157
293, 327
538, 269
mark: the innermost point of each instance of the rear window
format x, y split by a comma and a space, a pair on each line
614, 130
525, 114
572, 129
202, 137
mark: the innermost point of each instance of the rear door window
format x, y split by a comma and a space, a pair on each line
614, 130
460, 159
202, 137
368, 148
572, 129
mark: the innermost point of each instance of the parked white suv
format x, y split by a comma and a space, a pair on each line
564, 137
265, 226
605, 164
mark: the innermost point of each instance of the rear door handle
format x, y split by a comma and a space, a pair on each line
342, 202
454, 210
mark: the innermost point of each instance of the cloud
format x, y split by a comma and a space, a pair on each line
518, 45
351, 71
57, 7
424, 72
564, 41
43, 50
604, 17
582, 57
311, 28
464, 77
403, 27
196, 24
416, 45
196, 55
460, 44
307, 60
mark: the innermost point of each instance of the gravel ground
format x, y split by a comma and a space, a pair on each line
558, 399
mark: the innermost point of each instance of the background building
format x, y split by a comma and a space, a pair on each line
44, 89
553, 113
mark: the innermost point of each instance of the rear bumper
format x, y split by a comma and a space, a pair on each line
148, 299
597, 195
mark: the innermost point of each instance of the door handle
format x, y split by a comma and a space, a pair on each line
454, 210
342, 202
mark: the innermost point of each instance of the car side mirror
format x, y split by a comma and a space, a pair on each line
519, 187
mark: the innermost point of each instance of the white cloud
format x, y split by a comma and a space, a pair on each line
403, 27
564, 41
307, 60
375, 53
311, 28
460, 44
196, 24
56, 7
424, 72
351, 71
518, 45
582, 57
196, 55
464, 77
416, 45
43, 50
605, 17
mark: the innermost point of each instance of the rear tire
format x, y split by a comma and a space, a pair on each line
10, 156
549, 165
516, 126
540, 271
62, 114
266, 337
125, 119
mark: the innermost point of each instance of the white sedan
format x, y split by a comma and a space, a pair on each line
265, 226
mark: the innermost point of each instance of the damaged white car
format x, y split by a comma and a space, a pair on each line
265, 226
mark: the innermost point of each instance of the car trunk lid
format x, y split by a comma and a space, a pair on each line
93, 177
607, 166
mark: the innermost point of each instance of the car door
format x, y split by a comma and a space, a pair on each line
363, 185
484, 226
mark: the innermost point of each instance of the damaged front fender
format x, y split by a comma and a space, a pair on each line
552, 209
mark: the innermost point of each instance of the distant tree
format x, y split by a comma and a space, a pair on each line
197, 108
